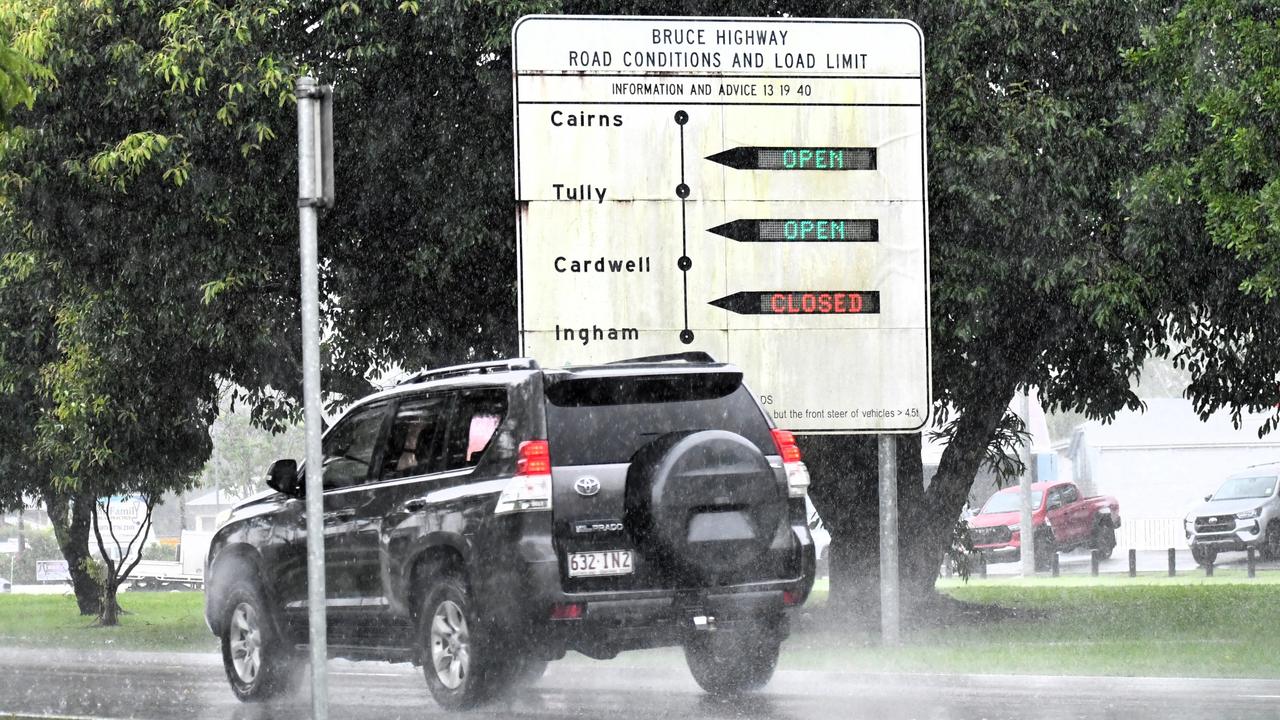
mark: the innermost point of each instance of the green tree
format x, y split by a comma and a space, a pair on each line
1208, 199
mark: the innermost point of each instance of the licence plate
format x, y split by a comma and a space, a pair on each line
606, 562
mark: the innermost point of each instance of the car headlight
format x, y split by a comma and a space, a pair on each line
1248, 514
1014, 528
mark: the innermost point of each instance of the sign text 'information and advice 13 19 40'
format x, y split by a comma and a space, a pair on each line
750, 188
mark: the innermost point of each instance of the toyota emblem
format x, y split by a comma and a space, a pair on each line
587, 486
1214, 520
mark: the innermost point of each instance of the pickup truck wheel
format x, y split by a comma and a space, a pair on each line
732, 662
1203, 555
1104, 540
259, 664
1271, 545
462, 669
1044, 551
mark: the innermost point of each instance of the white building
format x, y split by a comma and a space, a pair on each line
1159, 463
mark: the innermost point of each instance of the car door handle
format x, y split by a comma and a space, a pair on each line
345, 514
415, 505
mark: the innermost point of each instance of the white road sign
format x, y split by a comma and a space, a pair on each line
750, 188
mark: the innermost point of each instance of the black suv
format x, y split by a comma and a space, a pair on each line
483, 519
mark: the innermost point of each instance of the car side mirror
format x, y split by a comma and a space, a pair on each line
283, 477
1207, 498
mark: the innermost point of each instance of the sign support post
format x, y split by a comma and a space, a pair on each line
315, 190
890, 614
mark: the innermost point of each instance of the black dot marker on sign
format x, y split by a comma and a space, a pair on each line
682, 117
686, 336
682, 191
684, 263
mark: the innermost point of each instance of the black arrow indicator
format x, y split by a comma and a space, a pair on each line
800, 230
797, 158
802, 302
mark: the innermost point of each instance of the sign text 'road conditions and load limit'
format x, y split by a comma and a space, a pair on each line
751, 188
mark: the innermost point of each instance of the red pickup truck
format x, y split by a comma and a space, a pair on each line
1063, 520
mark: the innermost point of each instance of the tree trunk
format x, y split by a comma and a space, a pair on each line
109, 615
71, 514
936, 516
845, 473
845, 490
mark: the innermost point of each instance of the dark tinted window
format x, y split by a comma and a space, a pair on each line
349, 447
606, 420
413, 444
1069, 494
475, 422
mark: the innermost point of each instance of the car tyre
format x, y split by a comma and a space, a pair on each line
731, 665
1044, 551
259, 663
1271, 542
462, 669
1203, 555
1104, 540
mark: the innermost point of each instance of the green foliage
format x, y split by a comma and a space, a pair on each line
1206, 206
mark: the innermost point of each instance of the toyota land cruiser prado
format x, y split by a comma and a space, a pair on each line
482, 520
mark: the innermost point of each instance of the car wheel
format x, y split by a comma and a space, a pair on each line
258, 662
1044, 551
461, 669
1203, 555
728, 663
1104, 540
1271, 545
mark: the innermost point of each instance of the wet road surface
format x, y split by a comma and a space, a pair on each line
177, 685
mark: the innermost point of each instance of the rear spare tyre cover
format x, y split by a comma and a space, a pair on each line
704, 501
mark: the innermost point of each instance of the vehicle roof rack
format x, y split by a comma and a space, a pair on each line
695, 356
480, 368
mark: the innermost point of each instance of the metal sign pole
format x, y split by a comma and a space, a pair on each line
309, 192
889, 596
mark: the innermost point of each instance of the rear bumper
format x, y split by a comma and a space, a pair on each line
610, 626
606, 623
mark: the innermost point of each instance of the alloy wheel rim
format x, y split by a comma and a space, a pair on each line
246, 643
450, 645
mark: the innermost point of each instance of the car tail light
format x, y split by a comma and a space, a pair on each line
530, 489
567, 611
797, 473
791, 597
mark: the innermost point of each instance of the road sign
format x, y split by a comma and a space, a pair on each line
751, 188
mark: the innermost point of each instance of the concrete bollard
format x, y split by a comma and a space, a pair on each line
1133, 563
1173, 562
1253, 563
1208, 568
982, 568
1056, 569
1094, 561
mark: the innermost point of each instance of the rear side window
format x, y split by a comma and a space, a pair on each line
474, 425
596, 421
412, 443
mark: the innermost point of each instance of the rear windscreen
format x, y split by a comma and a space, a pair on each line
595, 421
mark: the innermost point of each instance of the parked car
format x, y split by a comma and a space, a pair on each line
821, 538
1243, 513
482, 520
1062, 521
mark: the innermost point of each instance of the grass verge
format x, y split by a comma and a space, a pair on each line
1161, 627
153, 621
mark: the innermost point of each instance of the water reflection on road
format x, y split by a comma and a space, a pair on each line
170, 685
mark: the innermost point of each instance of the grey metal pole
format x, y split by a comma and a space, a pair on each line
308, 103
1028, 546
889, 597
